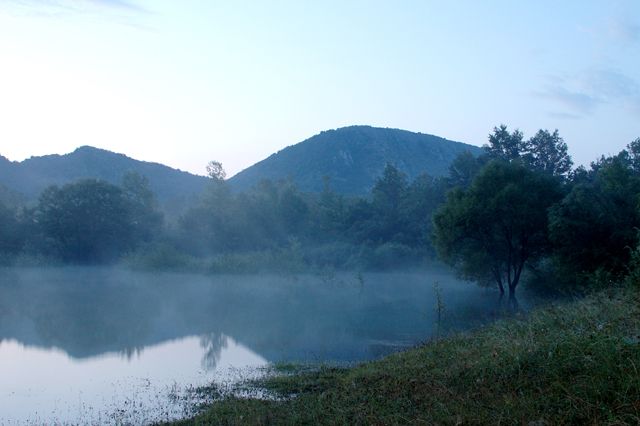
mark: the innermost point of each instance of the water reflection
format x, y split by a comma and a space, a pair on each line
213, 344
46, 386
107, 337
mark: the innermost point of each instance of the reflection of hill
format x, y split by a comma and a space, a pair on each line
87, 312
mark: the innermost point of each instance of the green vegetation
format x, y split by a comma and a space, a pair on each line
173, 188
545, 152
595, 225
520, 208
353, 158
88, 221
565, 364
387, 224
517, 209
515, 213
93, 221
497, 225
275, 225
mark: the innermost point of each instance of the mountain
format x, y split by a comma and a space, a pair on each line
29, 177
353, 158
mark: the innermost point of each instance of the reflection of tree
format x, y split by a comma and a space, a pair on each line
130, 352
212, 343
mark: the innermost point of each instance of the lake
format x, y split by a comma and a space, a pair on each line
102, 345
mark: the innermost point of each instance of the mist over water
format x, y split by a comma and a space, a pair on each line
103, 345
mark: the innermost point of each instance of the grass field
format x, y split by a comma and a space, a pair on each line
572, 363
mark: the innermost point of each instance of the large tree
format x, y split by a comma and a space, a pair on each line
86, 221
545, 151
388, 196
505, 145
595, 225
464, 168
145, 215
491, 230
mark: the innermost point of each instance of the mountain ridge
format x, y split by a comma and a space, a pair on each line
351, 157
30, 176
334, 153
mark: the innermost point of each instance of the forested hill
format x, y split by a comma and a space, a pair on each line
353, 158
31, 176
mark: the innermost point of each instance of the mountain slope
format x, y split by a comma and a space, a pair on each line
353, 158
31, 176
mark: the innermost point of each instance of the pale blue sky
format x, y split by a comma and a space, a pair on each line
183, 82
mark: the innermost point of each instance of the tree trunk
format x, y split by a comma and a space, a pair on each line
498, 277
513, 301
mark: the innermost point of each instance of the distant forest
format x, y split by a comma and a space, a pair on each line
519, 210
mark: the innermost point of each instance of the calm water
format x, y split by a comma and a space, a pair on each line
99, 345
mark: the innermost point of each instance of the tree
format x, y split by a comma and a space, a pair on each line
136, 188
86, 221
504, 145
11, 236
547, 152
491, 230
388, 196
422, 199
215, 171
209, 224
145, 216
330, 213
463, 169
595, 225
389, 188
293, 210
633, 151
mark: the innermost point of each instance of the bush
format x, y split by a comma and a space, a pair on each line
391, 255
163, 257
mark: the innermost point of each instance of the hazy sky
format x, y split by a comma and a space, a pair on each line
183, 82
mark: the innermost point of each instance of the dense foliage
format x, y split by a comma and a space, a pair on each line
517, 210
497, 225
391, 226
596, 225
353, 158
173, 188
521, 205
89, 221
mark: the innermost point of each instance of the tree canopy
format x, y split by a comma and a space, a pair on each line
215, 170
505, 145
545, 151
89, 221
596, 224
492, 229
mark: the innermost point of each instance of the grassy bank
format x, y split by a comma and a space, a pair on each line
576, 363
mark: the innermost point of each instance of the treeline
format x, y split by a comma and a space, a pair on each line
517, 210
390, 227
89, 221
273, 225
521, 209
